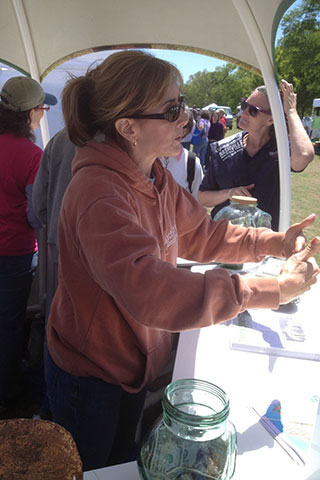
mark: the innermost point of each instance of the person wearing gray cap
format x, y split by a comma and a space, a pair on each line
22, 106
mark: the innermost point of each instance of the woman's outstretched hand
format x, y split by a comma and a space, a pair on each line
299, 272
295, 240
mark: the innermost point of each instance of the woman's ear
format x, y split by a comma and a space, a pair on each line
270, 120
126, 128
30, 116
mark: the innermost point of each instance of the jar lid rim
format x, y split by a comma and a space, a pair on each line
244, 200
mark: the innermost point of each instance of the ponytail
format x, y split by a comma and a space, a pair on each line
76, 107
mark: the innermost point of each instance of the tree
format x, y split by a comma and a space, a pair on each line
297, 56
225, 86
297, 53
197, 90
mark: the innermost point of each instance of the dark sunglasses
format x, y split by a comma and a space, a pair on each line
253, 110
171, 115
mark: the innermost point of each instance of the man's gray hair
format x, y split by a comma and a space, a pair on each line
263, 89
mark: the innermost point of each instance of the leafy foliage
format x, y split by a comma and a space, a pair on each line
225, 86
298, 52
297, 58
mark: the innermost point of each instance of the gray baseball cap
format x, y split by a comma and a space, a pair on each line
21, 94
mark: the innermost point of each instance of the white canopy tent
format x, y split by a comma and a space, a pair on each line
38, 35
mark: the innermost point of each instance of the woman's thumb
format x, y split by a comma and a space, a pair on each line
311, 249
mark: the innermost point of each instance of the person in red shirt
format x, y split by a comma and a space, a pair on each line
222, 119
21, 108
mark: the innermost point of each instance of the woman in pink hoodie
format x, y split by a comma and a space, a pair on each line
123, 223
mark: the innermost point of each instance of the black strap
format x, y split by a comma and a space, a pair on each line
191, 169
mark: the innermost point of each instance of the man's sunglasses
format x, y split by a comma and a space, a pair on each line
171, 115
253, 110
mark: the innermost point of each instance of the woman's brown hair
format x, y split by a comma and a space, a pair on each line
126, 83
17, 123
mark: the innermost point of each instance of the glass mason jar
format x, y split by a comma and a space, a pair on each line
194, 440
245, 212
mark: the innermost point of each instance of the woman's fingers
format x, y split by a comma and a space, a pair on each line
306, 222
295, 240
310, 250
299, 272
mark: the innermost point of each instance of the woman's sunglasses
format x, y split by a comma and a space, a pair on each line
253, 110
45, 107
171, 115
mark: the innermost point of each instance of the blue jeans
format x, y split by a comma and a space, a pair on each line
101, 417
200, 150
16, 275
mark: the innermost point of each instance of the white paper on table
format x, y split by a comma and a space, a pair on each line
279, 334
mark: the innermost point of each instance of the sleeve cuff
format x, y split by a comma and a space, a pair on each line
261, 293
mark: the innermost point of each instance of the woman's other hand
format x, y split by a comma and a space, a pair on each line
301, 148
295, 240
289, 98
299, 272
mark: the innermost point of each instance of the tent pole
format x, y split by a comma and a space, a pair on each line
32, 62
266, 66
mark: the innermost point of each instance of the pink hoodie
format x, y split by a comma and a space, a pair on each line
120, 295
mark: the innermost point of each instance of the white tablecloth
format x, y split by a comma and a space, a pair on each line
246, 377
126, 471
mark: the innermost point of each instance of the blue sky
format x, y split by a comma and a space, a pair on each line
189, 63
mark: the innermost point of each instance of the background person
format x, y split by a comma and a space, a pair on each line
185, 169
223, 119
202, 126
123, 222
216, 130
21, 108
216, 133
50, 184
247, 163
52, 179
188, 130
196, 113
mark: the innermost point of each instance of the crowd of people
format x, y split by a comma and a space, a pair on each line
120, 194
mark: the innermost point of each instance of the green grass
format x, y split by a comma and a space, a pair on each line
305, 195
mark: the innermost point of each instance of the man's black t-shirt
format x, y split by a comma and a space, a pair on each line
231, 166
